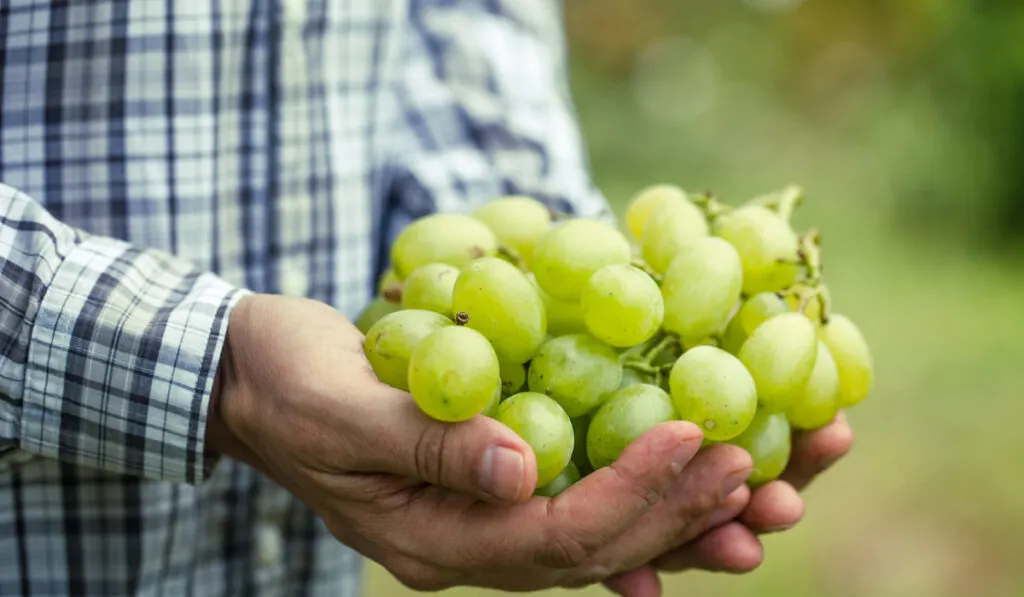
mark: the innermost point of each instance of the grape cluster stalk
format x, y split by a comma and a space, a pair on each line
581, 337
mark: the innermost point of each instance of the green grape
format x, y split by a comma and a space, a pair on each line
491, 410
780, 356
700, 288
503, 306
430, 287
577, 371
579, 450
564, 317
572, 251
767, 440
713, 390
673, 224
513, 377
453, 374
517, 222
388, 280
853, 359
390, 342
705, 341
632, 377
562, 482
626, 415
545, 427
454, 239
621, 305
752, 313
767, 247
818, 402
641, 205
378, 308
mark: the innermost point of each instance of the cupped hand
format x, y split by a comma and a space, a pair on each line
437, 504
725, 543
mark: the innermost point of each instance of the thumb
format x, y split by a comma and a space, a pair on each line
480, 457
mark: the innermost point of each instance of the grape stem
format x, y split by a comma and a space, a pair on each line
393, 293
784, 201
461, 318
825, 306
512, 256
807, 297
790, 198
810, 256
647, 269
710, 204
658, 348
648, 368
632, 352
815, 295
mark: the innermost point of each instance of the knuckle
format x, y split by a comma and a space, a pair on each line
646, 494
705, 502
564, 550
694, 506
429, 453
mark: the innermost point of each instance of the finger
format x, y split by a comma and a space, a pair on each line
729, 548
642, 582
773, 507
564, 532
701, 488
479, 457
731, 507
815, 451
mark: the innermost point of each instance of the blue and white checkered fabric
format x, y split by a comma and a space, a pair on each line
158, 159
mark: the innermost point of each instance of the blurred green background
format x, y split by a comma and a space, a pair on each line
905, 123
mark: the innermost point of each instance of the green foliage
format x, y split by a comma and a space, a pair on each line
922, 98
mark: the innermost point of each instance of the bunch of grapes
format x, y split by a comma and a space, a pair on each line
581, 337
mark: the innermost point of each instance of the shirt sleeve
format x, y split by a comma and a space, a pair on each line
486, 110
107, 352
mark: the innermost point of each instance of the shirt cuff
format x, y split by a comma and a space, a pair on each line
121, 362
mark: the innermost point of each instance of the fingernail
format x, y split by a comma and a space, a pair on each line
778, 529
501, 472
734, 480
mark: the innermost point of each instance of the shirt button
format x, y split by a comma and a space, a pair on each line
294, 283
269, 544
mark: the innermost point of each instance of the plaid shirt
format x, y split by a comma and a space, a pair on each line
159, 159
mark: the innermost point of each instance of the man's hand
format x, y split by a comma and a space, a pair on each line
438, 504
720, 543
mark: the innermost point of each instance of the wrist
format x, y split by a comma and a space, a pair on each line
218, 437
222, 437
